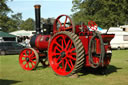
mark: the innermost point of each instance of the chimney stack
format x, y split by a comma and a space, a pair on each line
37, 18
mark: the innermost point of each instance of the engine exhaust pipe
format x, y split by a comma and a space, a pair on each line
37, 18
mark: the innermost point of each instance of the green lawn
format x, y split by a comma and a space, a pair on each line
12, 74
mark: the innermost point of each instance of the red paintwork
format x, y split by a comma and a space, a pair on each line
57, 49
92, 25
41, 42
30, 55
106, 38
55, 58
62, 26
78, 31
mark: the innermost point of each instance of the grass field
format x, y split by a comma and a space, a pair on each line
12, 74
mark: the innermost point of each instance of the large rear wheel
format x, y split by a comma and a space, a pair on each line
66, 53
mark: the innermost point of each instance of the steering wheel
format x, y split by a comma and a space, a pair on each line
92, 25
62, 23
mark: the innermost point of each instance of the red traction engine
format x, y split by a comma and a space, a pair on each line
69, 47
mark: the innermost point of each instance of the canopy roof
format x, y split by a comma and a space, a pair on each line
22, 33
4, 34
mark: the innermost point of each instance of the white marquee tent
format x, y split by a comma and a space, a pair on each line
22, 33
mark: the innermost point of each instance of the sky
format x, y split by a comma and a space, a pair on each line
49, 8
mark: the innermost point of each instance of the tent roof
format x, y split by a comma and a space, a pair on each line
22, 33
4, 34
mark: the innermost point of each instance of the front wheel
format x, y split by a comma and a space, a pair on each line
28, 59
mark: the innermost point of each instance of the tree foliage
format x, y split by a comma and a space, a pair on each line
14, 22
27, 24
105, 13
4, 10
8, 24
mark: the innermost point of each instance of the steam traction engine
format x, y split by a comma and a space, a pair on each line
69, 47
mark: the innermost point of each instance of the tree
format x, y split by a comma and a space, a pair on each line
14, 22
17, 19
8, 24
11, 25
105, 13
4, 10
28, 24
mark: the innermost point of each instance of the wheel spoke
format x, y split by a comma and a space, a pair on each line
70, 21
56, 59
56, 48
22, 56
24, 53
29, 52
26, 64
69, 56
71, 63
34, 62
63, 37
58, 45
68, 28
23, 61
73, 54
62, 44
54, 54
59, 63
70, 50
65, 21
60, 23
65, 66
33, 58
70, 45
31, 55
32, 65
67, 44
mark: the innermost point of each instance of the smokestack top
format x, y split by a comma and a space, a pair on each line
37, 6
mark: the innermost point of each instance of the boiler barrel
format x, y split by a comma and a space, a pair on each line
40, 41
